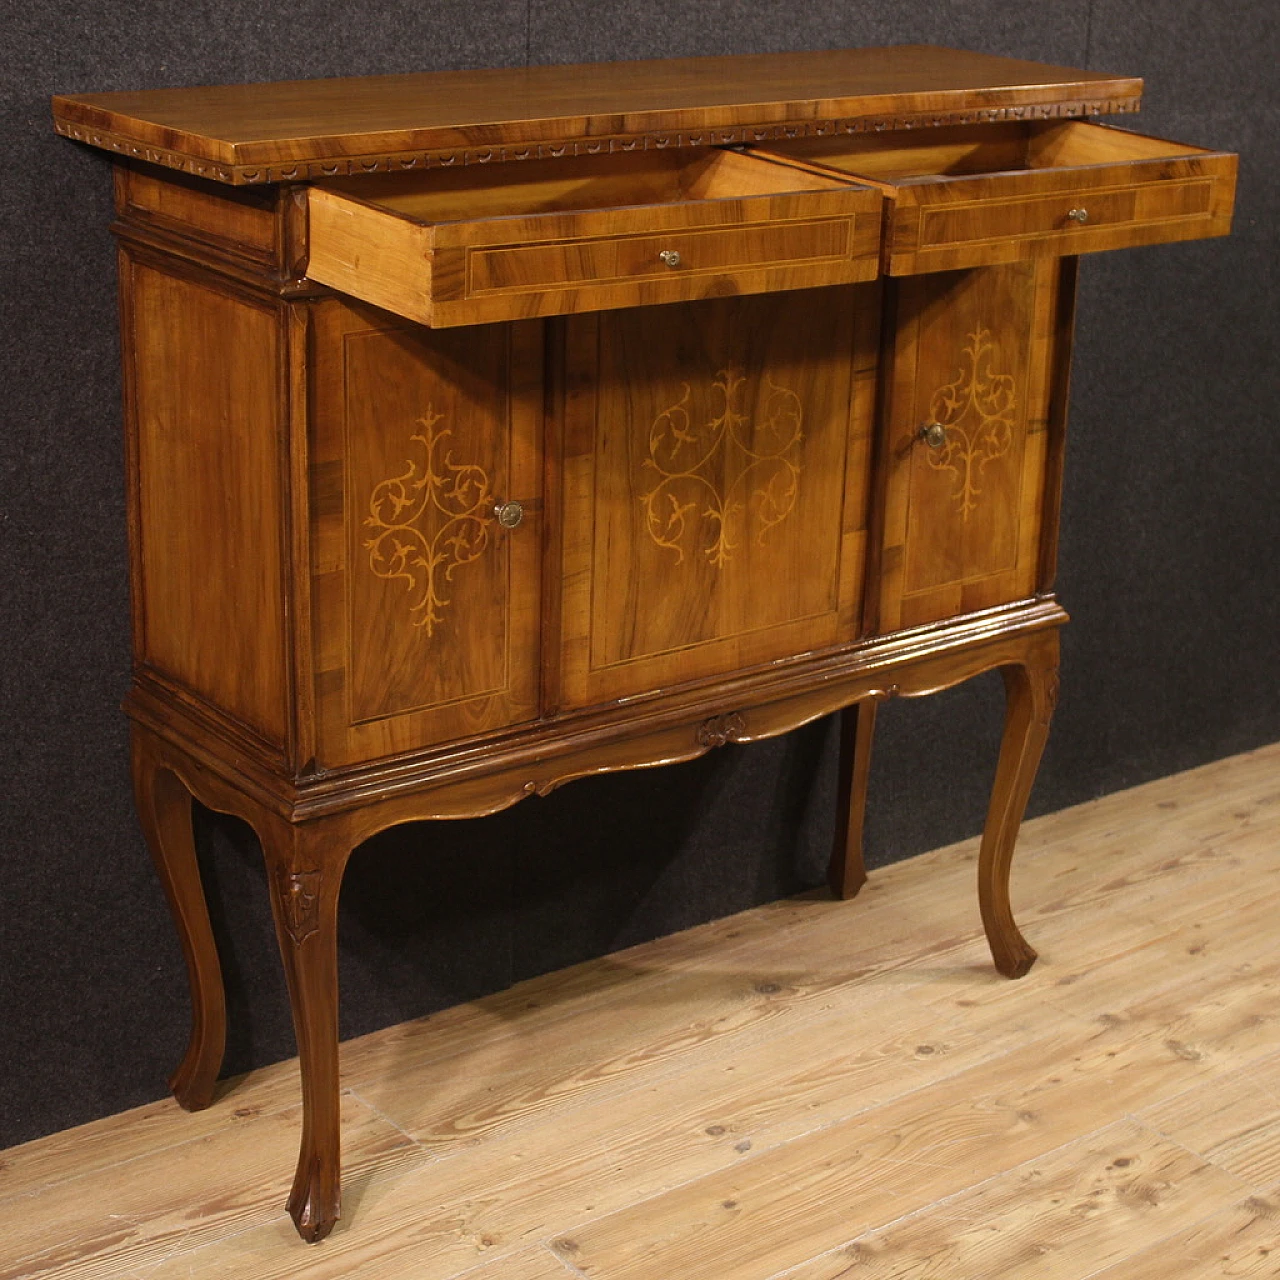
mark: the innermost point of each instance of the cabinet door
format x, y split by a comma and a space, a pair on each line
425, 606
716, 477
966, 433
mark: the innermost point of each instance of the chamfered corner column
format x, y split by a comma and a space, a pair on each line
305, 863
847, 871
164, 812
1031, 694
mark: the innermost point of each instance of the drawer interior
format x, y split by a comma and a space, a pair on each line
580, 183
911, 157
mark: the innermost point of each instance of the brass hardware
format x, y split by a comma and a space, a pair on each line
1078, 215
671, 257
509, 514
934, 434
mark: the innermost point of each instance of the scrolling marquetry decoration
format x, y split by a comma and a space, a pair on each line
977, 410
729, 475
429, 521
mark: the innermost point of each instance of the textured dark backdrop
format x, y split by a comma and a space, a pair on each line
1170, 552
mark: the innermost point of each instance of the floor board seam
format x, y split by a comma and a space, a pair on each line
1254, 1188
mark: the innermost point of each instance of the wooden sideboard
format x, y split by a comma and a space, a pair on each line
490, 429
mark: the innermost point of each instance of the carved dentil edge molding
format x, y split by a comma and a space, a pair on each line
408, 161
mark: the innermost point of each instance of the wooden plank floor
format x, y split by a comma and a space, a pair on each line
810, 1090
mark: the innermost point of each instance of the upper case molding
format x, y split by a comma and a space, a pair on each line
305, 129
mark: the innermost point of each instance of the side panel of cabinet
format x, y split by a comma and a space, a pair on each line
974, 353
426, 609
205, 396
716, 461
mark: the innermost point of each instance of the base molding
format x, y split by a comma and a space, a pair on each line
486, 775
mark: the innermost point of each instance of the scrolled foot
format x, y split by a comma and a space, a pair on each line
315, 1203
1013, 956
195, 1079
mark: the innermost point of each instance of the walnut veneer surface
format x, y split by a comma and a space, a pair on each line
623, 413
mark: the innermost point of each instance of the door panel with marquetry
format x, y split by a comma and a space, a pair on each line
716, 468
966, 440
425, 606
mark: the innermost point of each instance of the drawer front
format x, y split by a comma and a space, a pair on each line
561, 263
984, 221
967, 438
982, 195
574, 264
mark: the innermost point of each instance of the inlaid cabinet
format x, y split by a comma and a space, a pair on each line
490, 429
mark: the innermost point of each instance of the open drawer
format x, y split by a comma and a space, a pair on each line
976, 195
551, 237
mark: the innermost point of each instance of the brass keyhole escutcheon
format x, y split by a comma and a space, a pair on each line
671, 257
509, 514
934, 434
1078, 215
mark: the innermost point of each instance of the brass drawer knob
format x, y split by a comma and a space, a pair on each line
934, 434
671, 257
1078, 215
509, 514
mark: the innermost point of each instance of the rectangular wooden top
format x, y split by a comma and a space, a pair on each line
302, 129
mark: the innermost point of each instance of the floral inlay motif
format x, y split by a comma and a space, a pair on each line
719, 478
429, 521
977, 411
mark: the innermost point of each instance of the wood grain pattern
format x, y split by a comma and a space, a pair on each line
962, 521
1057, 1217
973, 197
689, 479
1233, 1123
788, 1203
555, 237
297, 130
426, 608
209, 457
89, 1228
245, 224
1240, 1242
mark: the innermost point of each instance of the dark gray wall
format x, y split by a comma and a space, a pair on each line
1169, 557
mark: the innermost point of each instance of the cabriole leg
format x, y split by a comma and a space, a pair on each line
847, 872
164, 811
304, 871
1031, 692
